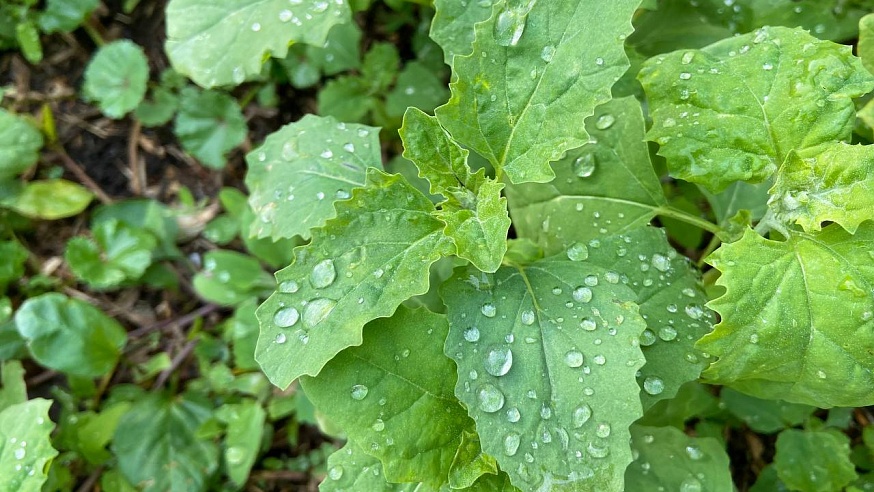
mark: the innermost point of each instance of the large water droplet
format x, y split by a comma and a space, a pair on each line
603, 430
489, 310
691, 484
547, 53
234, 455
323, 274
591, 280
582, 414
588, 324
582, 294
574, 358
471, 334
378, 425
286, 317
597, 451
490, 398
527, 317
694, 311
661, 262
289, 287
509, 26
605, 121
280, 338
513, 415
578, 252
335, 473
584, 165
511, 443
653, 385
498, 361
359, 392
694, 452
317, 310
647, 338
668, 333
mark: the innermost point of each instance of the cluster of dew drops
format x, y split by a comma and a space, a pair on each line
692, 482
19, 452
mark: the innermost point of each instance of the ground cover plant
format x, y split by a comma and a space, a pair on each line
407, 245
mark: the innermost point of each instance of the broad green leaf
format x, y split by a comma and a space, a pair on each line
229, 278
360, 266
27, 37
396, 381
417, 86
351, 470
813, 461
380, 66
604, 187
65, 15
209, 125
546, 360
276, 254
470, 462
25, 446
148, 215
12, 388
679, 24
158, 110
245, 422
12, 268
157, 445
300, 171
833, 185
536, 70
764, 416
346, 98
117, 253
340, 52
93, 436
226, 43
69, 335
453, 25
20, 143
693, 400
474, 211
865, 47
668, 459
739, 196
768, 481
734, 110
116, 78
49, 199
797, 319
671, 301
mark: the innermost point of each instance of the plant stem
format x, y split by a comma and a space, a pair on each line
675, 213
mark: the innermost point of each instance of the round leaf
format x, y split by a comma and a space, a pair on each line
116, 78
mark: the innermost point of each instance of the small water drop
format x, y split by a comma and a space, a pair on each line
653, 385
286, 317
687, 57
471, 334
597, 451
588, 324
661, 262
335, 473
349, 147
489, 310
577, 252
527, 317
547, 53
378, 425
498, 361
574, 358
289, 287
582, 294
591, 280
19, 453
509, 26
285, 15
317, 310
511, 443
605, 121
685, 75
234, 455
280, 338
667, 333
767, 66
584, 165
694, 452
647, 338
603, 430
691, 484
582, 414
513, 415
359, 392
256, 27
490, 398
323, 274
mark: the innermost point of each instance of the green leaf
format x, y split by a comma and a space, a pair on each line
833, 185
765, 416
547, 371
12, 268
157, 445
804, 332
561, 66
346, 99
230, 278
117, 253
25, 445
93, 436
300, 171
812, 461
668, 459
605, 187
27, 37
69, 335
116, 78
65, 15
470, 462
739, 196
148, 215
734, 110
474, 211
671, 301
340, 51
159, 110
245, 426
360, 266
417, 86
209, 125
49, 199
865, 47
226, 44
380, 66
350, 469
20, 143
453, 25
12, 390
386, 393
